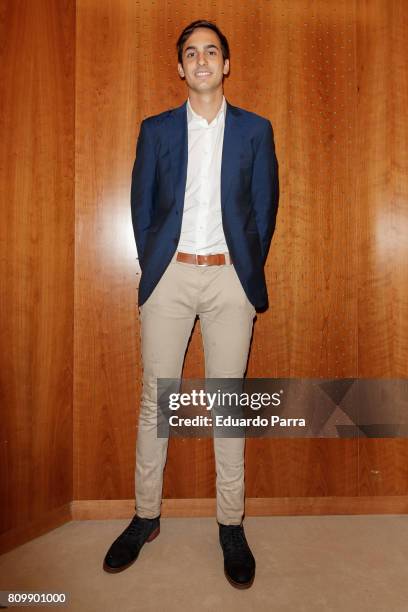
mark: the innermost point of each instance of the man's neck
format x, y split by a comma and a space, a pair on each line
206, 105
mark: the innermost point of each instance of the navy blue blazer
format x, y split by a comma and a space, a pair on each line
249, 195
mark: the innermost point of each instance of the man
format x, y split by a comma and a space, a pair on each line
204, 199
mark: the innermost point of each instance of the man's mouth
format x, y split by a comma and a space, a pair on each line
202, 73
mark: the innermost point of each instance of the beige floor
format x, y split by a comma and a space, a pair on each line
329, 563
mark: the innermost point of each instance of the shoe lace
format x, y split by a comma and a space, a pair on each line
234, 540
136, 529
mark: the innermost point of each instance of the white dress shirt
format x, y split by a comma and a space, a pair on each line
201, 227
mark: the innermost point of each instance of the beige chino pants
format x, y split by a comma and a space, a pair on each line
215, 294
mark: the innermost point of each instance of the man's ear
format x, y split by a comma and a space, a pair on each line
226, 66
180, 70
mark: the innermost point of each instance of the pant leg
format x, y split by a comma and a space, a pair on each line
166, 319
226, 318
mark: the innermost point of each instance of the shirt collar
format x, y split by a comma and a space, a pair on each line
192, 116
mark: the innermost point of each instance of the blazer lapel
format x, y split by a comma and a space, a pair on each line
231, 150
178, 147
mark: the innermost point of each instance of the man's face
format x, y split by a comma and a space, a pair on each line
203, 65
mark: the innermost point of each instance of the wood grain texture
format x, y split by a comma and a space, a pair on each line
82, 510
382, 221
332, 80
76, 80
37, 261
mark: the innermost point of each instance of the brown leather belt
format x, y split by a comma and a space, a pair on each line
214, 259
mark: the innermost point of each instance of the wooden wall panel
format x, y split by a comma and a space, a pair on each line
310, 329
332, 79
382, 220
37, 46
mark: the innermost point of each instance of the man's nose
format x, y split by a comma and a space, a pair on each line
201, 58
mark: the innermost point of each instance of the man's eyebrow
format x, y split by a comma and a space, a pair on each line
205, 47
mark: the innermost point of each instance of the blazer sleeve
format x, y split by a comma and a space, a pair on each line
142, 188
265, 188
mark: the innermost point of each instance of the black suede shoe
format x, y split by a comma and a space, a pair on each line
126, 548
239, 562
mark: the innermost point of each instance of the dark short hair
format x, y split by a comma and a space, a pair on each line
201, 23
